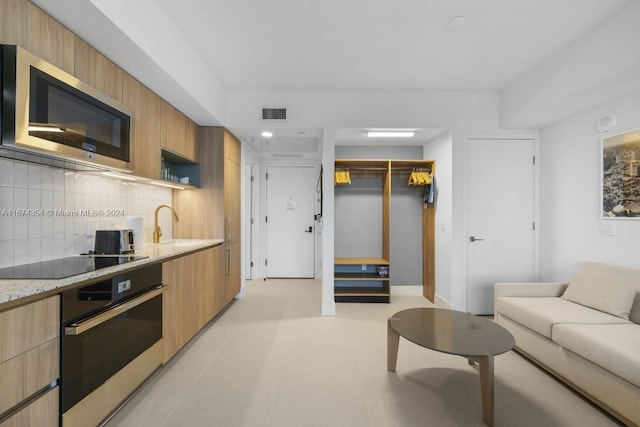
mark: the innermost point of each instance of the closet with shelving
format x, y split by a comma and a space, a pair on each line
363, 203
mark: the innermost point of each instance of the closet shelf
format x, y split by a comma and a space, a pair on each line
356, 261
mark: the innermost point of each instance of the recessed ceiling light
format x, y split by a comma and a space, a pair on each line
390, 134
267, 134
456, 22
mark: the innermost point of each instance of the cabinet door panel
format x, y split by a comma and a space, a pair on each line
28, 326
172, 129
178, 321
97, 70
14, 28
50, 40
145, 127
232, 201
191, 143
191, 297
29, 372
41, 413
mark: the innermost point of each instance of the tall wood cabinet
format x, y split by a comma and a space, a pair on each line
232, 171
213, 210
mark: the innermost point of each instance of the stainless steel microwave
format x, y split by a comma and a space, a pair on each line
50, 112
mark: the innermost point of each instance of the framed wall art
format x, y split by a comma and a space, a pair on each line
621, 175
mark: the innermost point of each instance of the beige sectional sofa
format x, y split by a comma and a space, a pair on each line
585, 332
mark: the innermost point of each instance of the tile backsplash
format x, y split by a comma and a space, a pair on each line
48, 212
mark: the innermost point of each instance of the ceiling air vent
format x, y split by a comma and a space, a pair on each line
274, 114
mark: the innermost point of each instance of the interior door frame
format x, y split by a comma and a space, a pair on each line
506, 135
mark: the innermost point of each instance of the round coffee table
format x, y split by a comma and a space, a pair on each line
452, 332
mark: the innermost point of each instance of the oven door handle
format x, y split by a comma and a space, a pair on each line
92, 322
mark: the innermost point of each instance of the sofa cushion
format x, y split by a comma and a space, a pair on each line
541, 313
604, 287
615, 348
634, 314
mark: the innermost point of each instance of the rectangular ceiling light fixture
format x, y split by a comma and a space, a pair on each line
390, 134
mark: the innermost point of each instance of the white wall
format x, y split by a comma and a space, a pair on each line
570, 194
335, 110
43, 235
441, 150
462, 112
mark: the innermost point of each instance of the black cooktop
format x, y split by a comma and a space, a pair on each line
65, 267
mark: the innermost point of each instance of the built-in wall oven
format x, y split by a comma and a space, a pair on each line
111, 342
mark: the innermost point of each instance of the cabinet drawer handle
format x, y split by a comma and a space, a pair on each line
227, 266
92, 322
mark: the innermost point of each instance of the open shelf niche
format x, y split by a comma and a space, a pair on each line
367, 279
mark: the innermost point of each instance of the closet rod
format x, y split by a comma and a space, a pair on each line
351, 168
410, 169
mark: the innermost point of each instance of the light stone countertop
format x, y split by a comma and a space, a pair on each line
12, 290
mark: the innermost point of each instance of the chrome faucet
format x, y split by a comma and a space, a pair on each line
157, 232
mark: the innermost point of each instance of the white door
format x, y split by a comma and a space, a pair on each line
500, 217
290, 221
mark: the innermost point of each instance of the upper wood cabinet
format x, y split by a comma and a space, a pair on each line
13, 22
26, 25
98, 71
178, 134
192, 141
50, 40
155, 123
145, 127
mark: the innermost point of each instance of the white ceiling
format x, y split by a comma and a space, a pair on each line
379, 45
327, 45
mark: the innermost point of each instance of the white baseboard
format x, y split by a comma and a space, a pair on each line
406, 290
439, 302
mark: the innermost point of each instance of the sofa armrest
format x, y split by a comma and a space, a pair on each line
529, 289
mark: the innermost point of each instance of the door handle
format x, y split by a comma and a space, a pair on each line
475, 239
309, 230
92, 322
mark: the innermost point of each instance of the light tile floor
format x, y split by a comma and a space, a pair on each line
271, 360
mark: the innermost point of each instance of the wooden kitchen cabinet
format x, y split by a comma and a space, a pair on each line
192, 145
24, 24
232, 193
231, 275
97, 70
43, 412
52, 41
178, 133
213, 211
29, 357
145, 127
191, 296
231, 201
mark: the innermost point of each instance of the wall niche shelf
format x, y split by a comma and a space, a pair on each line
180, 167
